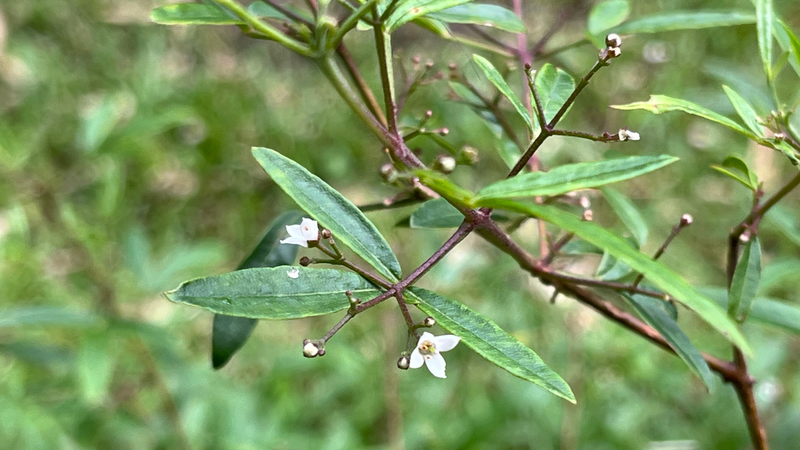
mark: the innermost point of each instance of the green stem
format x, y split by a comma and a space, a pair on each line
264, 28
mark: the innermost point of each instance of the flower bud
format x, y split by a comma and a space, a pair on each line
780, 137
403, 362
429, 322
310, 349
585, 202
613, 40
468, 155
305, 261
588, 215
326, 233
686, 220
388, 173
444, 164
614, 52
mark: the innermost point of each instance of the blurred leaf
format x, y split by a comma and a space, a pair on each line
788, 42
606, 15
573, 177
497, 80
628, 214
229, 333
491, 342
764, 20
334, 212
435, 26
95, 365
408, 10
779, 273
262, 9
684, 20
436, 213
659, 104
785, 221
98, 124
745, 111
192, 14
654, 271
611, 269
270, 293
746, 277
35, 353
444, 187
482, 14
509, 152
736, 168
653, 311
46, 315
554, 87
765, 310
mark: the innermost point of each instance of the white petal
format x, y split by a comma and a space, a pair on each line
294, 231
295, 241
309, 229
416, 359
436, 365
425, 337
632, 135
446, 342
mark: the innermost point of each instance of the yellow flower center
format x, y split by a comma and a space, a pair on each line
427, 348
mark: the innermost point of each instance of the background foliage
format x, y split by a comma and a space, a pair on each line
125, 168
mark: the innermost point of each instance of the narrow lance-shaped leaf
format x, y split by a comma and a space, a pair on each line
789, 42
684, 20
652, 310
659, 274
764, 20
628, 214
745, 111
490, 341
453, 193
659, 104
497, 80
408, 10
334, 212
736, 168
192, 14
765, 310
482, 14
274, 292
436, 213
229, 333
572, 177
746, 277
554, 87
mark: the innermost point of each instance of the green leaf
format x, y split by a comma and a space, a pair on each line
764, 21
786, 222
46, 316
745, 280
779, 274
554, 87
435, 26
481, 14
497, 80
657, 273
736, 168
262, 9
271, 293
628, 214
573, 177
408, 10
745, 111
490, 341
444, 187
334, 212
229, 333
611, 268
659, 104
765, 310
684, 20
95, 364
436, 213
789, 42
654, 312
192, 14
605, 15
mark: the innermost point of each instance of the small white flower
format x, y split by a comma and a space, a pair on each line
294, 272
627, 135
302, 234
429, 350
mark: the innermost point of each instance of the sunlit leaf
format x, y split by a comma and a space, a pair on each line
408, 10
334, 212
274, 292
446, 188
764, 20
746, 277
654, 312
736, 168
745, 111
490, 341
573, 177
554, 87
657, 273
497, 80
482, 14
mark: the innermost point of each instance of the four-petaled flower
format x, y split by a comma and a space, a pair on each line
628, 135
428, 352
302, 234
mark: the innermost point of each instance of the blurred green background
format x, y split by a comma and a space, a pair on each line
125, 169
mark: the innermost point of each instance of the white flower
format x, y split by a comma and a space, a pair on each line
428, 352
302, 234
294, 272
627, 135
